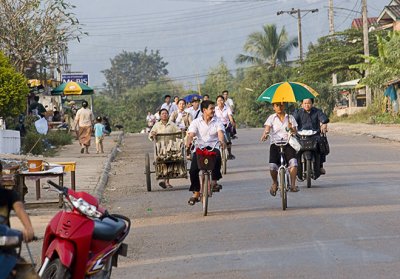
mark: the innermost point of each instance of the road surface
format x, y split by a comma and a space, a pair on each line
345, 226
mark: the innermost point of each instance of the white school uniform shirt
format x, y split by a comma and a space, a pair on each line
223, 114
194, 113
207, 134
229, 103
278, 131
171, 107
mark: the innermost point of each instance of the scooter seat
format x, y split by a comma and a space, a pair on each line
108, 229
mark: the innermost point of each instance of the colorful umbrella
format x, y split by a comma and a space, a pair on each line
288, 92
72, 88
190, 97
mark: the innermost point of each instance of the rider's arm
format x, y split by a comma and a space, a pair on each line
23, 216
265, 133
153, 132
189, 139
324, 120
221, 138
231, 119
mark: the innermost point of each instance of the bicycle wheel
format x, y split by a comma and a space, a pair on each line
204, 197
224, 159
147, 171
282, 187
308, 173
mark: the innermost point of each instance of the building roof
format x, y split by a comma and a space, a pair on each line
357, 23
389, 14
394, 2
348, 84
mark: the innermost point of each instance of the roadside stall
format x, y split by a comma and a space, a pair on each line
69, 93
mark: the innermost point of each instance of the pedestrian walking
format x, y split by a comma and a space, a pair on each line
99, 131
83, 126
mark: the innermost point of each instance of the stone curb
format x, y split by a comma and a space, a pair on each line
102, 183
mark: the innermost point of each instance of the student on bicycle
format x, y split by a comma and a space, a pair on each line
224, 114
277, 127
208, 130
180, 117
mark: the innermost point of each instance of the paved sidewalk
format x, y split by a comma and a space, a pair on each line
384, 131
91, 176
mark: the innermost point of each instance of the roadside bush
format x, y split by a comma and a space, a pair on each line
37, 144
32, 143
59, 138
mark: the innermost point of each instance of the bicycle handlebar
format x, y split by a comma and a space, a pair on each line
195, 144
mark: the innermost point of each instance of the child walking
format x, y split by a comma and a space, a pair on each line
99, 135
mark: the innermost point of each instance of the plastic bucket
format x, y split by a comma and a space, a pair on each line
35, 165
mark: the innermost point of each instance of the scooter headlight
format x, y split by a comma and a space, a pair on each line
84, 207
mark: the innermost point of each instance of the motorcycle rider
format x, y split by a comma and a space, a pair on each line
309, 117
10, 200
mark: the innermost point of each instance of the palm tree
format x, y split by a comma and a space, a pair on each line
267, 48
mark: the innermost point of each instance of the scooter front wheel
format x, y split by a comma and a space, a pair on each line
56, 270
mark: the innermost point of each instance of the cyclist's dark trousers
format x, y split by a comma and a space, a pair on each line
194, 172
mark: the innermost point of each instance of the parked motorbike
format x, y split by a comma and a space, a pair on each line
12, 265
308, 157
84, 241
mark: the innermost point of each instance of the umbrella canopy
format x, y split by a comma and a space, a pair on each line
72, 88
190, 97
288, 92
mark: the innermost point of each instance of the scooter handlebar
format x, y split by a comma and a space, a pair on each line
55, 185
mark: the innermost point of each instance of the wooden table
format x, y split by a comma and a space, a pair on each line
37, 175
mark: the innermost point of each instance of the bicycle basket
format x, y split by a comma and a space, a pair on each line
308, 144
206, 159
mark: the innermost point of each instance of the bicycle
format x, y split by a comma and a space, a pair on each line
206, 160
283, 173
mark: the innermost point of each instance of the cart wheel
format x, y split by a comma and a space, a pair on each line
147, 171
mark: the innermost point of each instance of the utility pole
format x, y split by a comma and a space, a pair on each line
330, 15
368, 94
299, 17
331, 32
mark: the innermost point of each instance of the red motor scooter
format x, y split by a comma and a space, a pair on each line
83, 242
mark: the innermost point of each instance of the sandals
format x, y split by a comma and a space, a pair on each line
193, 200
273, 190
216, 187
294, 189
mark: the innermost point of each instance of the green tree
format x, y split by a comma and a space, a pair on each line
130, 108
218, 79
13, 89
335, 54
34, 30
386, 65
267, 48
134, 69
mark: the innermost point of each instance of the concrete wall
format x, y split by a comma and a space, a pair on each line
348, 111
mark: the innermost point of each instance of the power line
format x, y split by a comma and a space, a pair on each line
299, 17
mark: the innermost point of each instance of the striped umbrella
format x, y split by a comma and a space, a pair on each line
287, 92
72, 88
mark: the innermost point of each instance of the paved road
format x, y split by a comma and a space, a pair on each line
345, 226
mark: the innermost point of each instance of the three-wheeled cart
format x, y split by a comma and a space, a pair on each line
170, 160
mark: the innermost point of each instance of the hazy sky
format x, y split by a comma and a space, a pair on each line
192, 35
